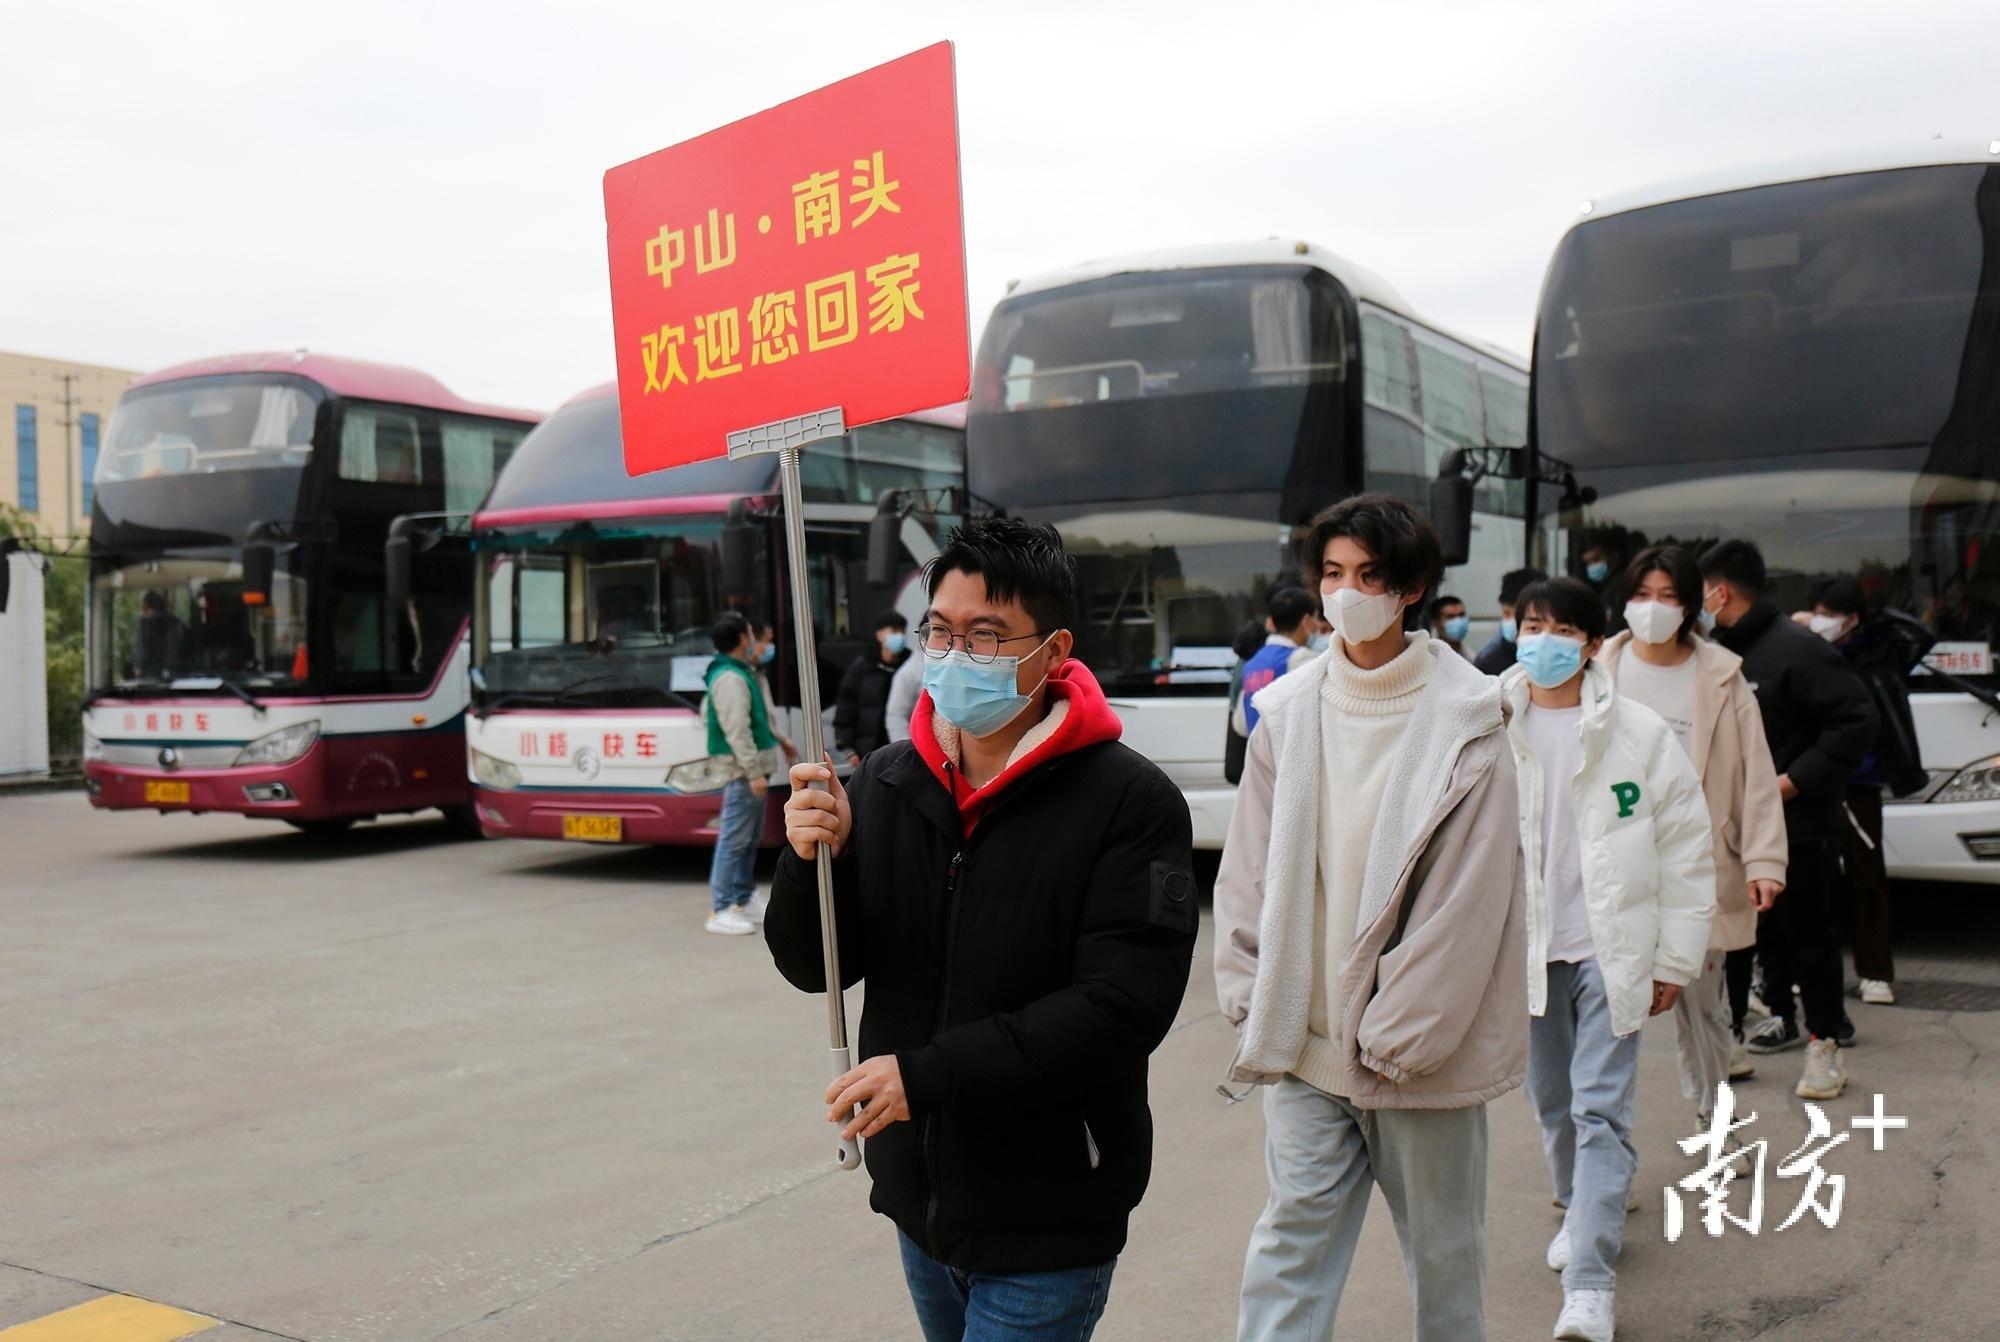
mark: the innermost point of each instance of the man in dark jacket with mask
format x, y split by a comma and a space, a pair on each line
1881, 647
1016, 888
860, 716
1498, 654
1819, 723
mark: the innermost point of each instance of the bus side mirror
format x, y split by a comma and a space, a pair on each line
1451, 512
885, 545
396, 562
8, 545
260, 566
739, 560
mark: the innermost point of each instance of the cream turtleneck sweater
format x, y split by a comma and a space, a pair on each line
1362, 713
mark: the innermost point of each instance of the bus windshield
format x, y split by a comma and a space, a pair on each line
179, 621
1814, 366
615, 612
1174, 425
202, 425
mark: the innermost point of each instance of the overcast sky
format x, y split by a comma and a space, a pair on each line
420, 182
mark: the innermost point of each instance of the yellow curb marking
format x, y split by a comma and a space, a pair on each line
110, 1318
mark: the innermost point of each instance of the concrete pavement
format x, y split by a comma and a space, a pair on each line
398, 1086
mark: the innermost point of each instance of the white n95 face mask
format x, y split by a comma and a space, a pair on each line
1360, 618
1653, 621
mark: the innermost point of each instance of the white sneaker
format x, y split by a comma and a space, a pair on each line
1878, 992
1586, 1317
731, 923
754, 910
1558, 1256
1824, 1078
1740, 1066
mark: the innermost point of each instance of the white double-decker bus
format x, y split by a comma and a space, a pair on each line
1808, 358
1180, 415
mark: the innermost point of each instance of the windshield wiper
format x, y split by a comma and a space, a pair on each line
241, 693
558, 696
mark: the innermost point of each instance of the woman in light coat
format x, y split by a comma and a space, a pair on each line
1697, 685
1621, 886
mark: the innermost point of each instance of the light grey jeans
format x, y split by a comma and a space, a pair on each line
1322, 1155
1702, 1035
1581, 1079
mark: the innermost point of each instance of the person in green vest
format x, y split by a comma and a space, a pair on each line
744, 745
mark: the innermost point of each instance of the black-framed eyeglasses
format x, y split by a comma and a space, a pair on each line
981, 645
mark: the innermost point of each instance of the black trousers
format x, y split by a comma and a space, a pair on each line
1868, 886
1737, 969
1799, 939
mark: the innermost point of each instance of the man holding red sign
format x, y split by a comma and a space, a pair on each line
1015, 885
1016, 888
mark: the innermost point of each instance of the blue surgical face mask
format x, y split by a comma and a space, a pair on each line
768, 655
895, 644
977, 698
1320, 642
1457, 627
1597, 572
1510, 629
1550, 659
1708, 620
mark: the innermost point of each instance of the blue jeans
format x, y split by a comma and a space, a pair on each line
954, 1306
1581, 1078
732, 874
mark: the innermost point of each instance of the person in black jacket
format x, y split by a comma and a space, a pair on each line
1498, 654
1016, 887
1881, 647
1819, 723
860, 715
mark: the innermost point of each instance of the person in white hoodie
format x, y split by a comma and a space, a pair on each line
1369, 940
1621, 888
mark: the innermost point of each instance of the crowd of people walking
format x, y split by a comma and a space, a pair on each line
1449, 874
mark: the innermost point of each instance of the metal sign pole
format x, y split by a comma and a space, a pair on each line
788, 439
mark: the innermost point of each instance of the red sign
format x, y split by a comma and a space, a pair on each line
808, 257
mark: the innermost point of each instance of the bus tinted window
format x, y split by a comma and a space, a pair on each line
1453, 416
474, 452
1388, 364
1825, 352
208, 424
1130, 337
1802, 317
380, 446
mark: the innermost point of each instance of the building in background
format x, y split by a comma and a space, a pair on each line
53, 413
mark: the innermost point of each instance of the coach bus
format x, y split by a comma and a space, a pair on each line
1180, 416
241, 653
1808, 358
599, 591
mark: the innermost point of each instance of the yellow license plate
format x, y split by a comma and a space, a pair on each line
594, 828
168, 792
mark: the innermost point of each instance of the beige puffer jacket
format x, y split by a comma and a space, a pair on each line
1738, 782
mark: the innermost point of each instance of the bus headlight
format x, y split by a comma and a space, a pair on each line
282, 746
707, 774
1977, 781
494, 773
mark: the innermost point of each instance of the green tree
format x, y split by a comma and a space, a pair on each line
63, 593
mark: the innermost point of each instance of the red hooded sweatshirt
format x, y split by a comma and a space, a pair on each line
1087, 721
